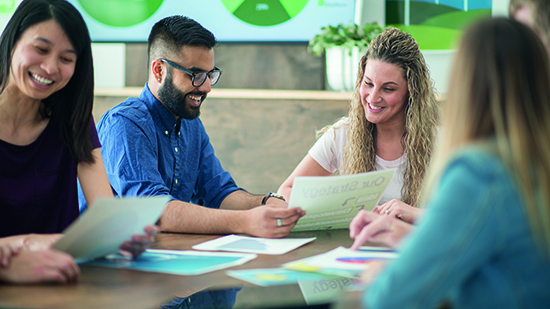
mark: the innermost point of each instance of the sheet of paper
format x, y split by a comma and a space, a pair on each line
340, 261
371, 248
315, 287
332, 202
175, 262
108, 223
238, 243
324, 290
276, 276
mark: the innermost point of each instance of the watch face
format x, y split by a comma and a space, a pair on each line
272, 194
279, 196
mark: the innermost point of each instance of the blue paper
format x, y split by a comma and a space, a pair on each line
175, 262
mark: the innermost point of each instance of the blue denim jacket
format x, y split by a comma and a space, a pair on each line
474, 247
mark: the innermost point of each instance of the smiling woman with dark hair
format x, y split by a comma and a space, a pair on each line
46, 104
47, 137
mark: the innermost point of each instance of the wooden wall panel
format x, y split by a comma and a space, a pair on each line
249, 66
136, 64
269, 66
259, 141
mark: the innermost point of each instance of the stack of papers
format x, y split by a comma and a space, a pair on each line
275, 276
336, 264
341, 261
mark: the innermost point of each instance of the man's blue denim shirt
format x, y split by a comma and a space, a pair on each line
147, 151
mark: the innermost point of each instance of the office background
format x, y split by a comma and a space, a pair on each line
273, 95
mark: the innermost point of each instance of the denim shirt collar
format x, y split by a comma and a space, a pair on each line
160, 114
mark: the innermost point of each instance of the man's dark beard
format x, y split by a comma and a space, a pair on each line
174, 100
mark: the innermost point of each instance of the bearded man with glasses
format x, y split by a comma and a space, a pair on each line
156, 144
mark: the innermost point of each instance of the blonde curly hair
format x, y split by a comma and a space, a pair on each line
421, 114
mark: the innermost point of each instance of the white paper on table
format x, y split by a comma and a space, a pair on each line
332, 202
247, 244
324, 290
108, 223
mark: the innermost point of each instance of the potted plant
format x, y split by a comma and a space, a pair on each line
344, 45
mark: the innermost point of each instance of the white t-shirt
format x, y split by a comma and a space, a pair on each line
329, 149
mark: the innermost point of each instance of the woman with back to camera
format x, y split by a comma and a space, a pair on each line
485, 241
47, 139
391, 124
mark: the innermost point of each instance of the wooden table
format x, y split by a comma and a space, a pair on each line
118, 288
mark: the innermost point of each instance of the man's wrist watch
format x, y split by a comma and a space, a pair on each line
272, 194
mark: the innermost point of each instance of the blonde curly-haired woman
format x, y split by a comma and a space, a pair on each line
392, 123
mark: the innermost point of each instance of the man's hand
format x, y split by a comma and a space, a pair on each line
372, 227
40, 266
133, 248
400, 210
276, 203
262, 221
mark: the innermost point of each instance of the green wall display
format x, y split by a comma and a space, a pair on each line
264, 12
120, 13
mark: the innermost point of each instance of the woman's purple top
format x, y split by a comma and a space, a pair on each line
38, 187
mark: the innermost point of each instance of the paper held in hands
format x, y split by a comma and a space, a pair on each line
107, 224
332, 202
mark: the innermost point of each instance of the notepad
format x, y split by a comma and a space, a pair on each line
108, 223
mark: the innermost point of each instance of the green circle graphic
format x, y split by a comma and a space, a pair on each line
120, 13
7, 6
264, 12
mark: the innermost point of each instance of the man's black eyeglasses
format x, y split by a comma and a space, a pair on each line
198, 78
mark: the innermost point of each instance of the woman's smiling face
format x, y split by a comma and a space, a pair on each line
384, 93
43, 61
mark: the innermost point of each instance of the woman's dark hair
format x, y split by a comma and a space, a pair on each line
70, 108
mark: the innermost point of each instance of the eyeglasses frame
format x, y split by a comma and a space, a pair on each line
193, 74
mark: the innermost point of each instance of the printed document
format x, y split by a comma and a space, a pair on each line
108, 223
332, 202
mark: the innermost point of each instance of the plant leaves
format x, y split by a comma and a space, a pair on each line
346, 36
